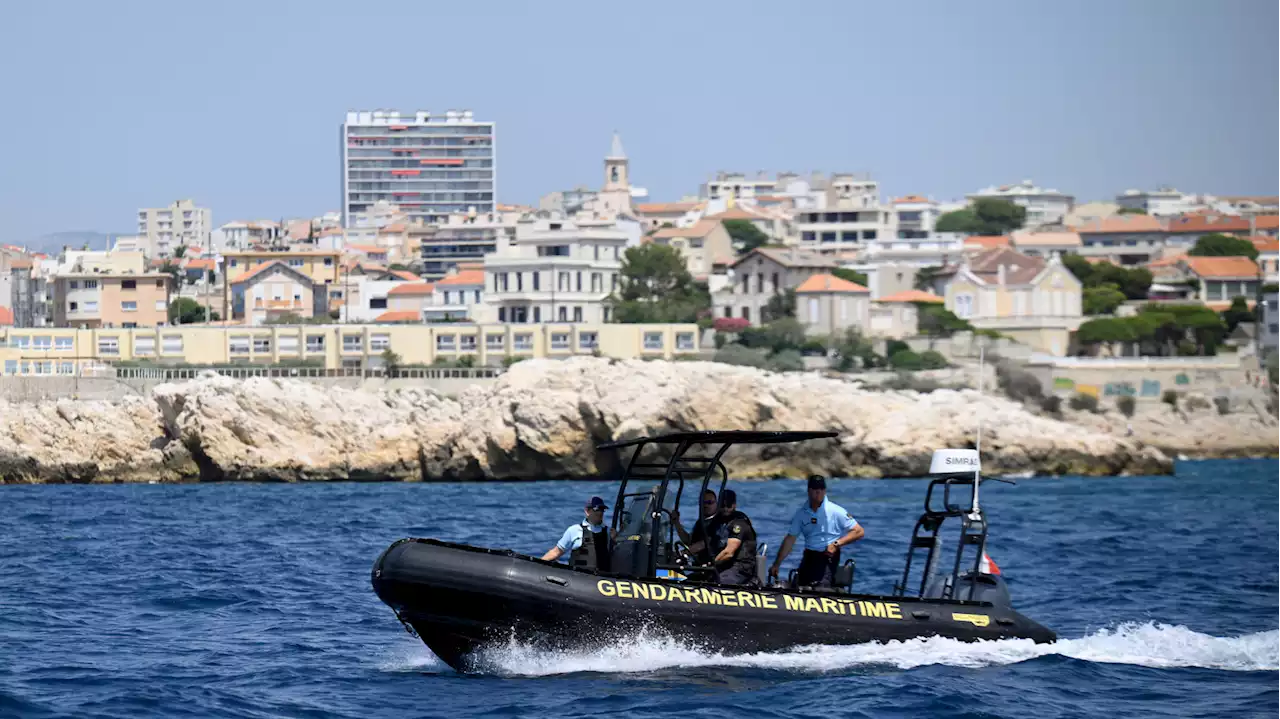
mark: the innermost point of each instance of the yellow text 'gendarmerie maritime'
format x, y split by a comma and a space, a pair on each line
741, 598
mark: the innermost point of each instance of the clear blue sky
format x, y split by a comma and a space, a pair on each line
112, 106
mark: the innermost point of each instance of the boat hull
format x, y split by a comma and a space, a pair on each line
460, 599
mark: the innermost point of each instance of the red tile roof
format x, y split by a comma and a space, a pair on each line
986, 242
1266, 222
910, 199
1205, 222
701, 228
828, 283
1119, 223
1265, 244
1222, 267
667, 208
244, 276
1019, 268
912, 296
465, 277
398, 316
405, 275
413, 288
201, 263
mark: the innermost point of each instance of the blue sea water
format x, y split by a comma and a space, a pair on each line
253, 600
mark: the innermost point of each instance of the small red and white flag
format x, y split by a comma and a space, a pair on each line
988, 566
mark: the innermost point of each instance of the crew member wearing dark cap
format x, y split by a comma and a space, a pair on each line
736, 562
588, 542
826, 527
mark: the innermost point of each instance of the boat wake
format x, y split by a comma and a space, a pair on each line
1148, 645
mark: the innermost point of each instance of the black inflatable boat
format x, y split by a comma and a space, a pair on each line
459, 598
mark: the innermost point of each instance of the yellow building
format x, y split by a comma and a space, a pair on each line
65, 351
1030, 299
322, 267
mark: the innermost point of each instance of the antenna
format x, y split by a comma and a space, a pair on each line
977, 472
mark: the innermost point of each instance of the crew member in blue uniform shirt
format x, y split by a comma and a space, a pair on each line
587, 542
826, 528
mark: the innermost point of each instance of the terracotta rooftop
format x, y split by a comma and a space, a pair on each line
1265, 244
701, 228
465, 277
1222, 267
1206, 222
667, 208
413, 288
201, 263
740, 212
912, 296
910, 199
367, 249
986, 242
1019, 268
405, 275
1266, 222
828, 283
260, 269
1119, 223
398, 316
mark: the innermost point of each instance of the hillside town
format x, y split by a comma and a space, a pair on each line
422, 266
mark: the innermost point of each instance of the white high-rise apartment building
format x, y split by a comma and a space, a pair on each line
428, 165
182, 224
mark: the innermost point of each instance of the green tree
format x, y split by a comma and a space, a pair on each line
932, 359
906, 360
1102, 300
1219, 245
1235, 314
1131, 211
398, 266
782, 304
185, 311
1104, 331
935, 320
656, 287
925, 277
1134, 282
180, 251
985, 216
745, 235
848, 275
391, 361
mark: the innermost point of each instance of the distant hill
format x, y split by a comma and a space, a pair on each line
53, 243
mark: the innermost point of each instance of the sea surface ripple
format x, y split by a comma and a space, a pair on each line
253, 600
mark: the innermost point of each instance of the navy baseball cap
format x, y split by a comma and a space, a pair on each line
596, 503
816, 482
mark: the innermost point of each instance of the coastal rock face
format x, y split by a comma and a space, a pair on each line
1194, 429
540, 420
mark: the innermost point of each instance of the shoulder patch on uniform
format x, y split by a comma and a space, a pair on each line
737, 529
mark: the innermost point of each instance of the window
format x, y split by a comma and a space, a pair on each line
562, 283
287, 344
129, 306
813, 311
380, 303
74, 284
446, 343
262, 345
67, 368
315, 343
828, 237
964, 305
171, 344
379, 342
519, 282
777, 286
564, 314
848, 236
44, 342
597, 282
560, 340
90, 306
467, 343
71, 307
477, 298
63, 344
91, 284
238, 344
295, 261
868, 234
760, 282
494, 342
523, 342
161, 306
684, 341
19, 342
537, 315
352, 343
128, 284
653, 340
746, 313
328, 262
11, 366
808, 236
578, 284
502, 314
588, 340
577, 314
108, 345
144, 345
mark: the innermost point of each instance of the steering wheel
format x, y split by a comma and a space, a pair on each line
686, 555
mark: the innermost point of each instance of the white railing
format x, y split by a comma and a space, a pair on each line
185, 373
1225, 361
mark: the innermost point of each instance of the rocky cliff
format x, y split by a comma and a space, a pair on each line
542, 419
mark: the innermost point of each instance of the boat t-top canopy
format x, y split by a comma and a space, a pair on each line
734, 436
674, 467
